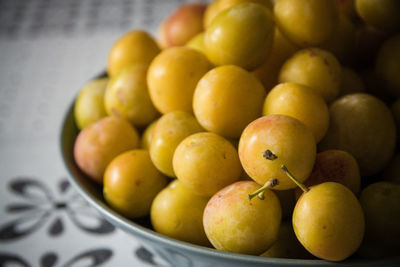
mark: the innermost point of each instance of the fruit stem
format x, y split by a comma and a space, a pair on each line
260, 192
268, 154
291, 176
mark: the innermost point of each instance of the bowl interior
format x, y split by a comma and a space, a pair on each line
142, 229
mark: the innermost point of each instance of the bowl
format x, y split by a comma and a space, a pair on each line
175, 252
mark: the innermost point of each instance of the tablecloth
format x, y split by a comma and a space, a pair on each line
48, 50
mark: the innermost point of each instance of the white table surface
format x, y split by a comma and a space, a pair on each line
48, 50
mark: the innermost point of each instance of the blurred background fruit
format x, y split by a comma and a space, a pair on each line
133, 47
224, 38
89, 104
183, 24
308, 22
97, 145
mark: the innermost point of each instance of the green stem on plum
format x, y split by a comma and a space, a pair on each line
291, 176
260, 192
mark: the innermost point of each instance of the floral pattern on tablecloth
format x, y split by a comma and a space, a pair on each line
48, 50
